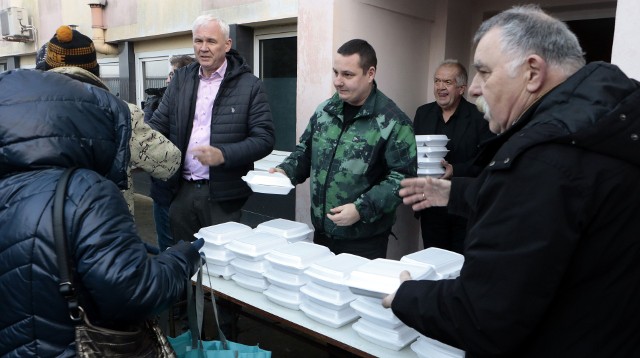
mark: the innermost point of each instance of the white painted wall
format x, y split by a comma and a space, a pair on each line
626, 47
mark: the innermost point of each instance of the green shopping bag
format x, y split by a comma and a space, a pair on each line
189, 345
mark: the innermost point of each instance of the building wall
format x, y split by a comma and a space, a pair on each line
626, 47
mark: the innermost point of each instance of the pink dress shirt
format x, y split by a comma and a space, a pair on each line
201, 131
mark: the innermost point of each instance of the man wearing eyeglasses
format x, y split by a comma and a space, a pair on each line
452, 115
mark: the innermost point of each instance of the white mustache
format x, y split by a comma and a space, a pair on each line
483, 107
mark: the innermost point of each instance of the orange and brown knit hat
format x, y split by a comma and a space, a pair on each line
69, 47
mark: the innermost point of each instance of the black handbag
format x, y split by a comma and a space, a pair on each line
143, 340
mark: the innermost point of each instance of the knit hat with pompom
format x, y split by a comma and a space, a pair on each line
69, 47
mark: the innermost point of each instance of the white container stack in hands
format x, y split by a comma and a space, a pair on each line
217, 255
432, 149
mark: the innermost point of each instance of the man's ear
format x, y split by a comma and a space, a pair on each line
535, 73
371, 73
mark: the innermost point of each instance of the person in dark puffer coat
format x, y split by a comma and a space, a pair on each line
49, 122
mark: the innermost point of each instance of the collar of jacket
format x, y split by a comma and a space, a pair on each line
80, 74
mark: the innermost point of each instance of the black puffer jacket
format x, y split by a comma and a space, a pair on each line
241, 124
551, 258
49, 122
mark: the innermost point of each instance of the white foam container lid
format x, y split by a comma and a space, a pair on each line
284, 279
250, 267
217, 256
329, 298
373, 311
268, 183
334, 271
225, 271
426, 347
291, 230
433, 163
250, 282
437, 172
446, 263
255, 245
327, 316
394, 339
283, 297
380, 277
435, 140
433, 152
221, 234
296, 257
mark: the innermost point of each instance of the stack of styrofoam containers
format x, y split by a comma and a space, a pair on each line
293, 231
285, 272
326, 298
431, 150
446, 263
426, 347
249, 262
217, 255
373, 281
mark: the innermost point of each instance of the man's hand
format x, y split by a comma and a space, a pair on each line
448, 170
425, 192
344, 215
277, 170
207, 155
387, 301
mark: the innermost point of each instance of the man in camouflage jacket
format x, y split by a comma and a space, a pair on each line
356, 149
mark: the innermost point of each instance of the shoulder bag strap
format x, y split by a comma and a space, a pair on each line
64, 267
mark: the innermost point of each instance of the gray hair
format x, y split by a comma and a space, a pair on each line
529, 30
204, 19
462, 77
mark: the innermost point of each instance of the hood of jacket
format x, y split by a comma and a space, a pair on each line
595, 109
48, 119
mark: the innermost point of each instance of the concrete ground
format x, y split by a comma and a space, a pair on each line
250, 330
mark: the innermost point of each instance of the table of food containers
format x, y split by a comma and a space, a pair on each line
275, 270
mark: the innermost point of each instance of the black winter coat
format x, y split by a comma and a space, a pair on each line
551, 258
49, 122
241, 124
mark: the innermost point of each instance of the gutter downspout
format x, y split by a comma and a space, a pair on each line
97, 10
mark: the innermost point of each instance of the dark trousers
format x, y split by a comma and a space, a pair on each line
192, 209
443, 230
371, 248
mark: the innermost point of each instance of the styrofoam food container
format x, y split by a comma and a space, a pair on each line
291, 230
250, 282
426, 162
296, 257
268, 183
426, 347
433, 152
433, 140
255, 245
221, 234
381, 277
373, 311
284, 279
284, 297
394, 339
327, 316
333, 272
250, 267
217, 255
224, 271
446, 263
329, 298
432, 172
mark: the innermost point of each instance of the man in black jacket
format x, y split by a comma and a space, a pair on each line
551, 256
452, 115
216, 112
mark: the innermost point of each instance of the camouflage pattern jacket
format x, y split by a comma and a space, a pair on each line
150, 150
360, 162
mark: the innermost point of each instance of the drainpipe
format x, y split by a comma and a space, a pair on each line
97, 10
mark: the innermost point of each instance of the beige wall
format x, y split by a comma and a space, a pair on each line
626, 47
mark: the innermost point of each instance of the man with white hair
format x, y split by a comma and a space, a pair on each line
551, 258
